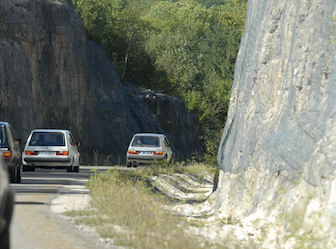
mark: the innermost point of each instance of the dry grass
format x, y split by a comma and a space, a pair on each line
168, 169
125, 209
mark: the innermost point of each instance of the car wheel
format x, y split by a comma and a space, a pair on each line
12, 176
18, 175
15, 175
28, 168
129, 164
69, 169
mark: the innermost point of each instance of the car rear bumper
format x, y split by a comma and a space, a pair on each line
46, 160
145, 159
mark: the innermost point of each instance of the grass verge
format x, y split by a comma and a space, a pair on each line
144, 173
125, 209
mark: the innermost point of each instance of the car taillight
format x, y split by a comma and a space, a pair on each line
62, 153
7, 155
31, 153
133, 152
159, 153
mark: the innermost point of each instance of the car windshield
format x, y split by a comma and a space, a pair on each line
47, 139
146, 141
3, 138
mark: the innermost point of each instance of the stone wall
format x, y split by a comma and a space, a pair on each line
277, 153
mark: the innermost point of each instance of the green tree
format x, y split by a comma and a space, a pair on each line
117, 26
185, 48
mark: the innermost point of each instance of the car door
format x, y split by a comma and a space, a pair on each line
73, 150
167, 146
14, 144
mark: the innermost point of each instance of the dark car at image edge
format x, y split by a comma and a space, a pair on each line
11, 152
6, 206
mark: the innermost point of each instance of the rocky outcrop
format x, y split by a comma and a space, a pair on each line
51, 76
162, 113
277, 153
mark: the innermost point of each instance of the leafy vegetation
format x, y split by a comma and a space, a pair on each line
185, 48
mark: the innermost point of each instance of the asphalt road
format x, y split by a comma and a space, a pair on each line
34, 226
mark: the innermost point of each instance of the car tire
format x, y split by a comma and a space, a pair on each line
28, 168
15, 176
12, 176
18, 175
69, 169
129, 164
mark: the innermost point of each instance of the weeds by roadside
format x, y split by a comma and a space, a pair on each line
168, 169
138, 219
125, 209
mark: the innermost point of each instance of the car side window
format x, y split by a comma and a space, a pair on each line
165, 141
2, 135
16, 144
12, 132
72, 140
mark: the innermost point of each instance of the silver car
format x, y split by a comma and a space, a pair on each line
51, 148
147, 148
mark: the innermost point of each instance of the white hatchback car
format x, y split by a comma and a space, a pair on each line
147, 148
51, 148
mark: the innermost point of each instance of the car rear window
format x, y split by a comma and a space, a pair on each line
3, 137
47, 139
146, 141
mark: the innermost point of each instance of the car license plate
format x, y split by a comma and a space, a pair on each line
47, 152
146, 152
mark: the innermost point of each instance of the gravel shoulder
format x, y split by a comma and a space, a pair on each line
39, 201
44, 196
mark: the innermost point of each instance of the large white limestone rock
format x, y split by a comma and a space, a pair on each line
278, 150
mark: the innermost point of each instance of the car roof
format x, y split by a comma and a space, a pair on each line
49, 130
149, 134
4, 123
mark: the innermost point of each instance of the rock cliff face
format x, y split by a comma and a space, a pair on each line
51, 76
277, 153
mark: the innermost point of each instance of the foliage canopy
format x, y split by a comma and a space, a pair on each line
185, 48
